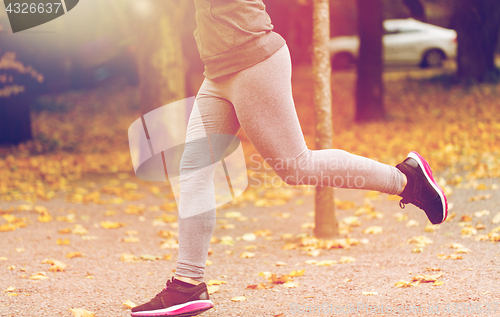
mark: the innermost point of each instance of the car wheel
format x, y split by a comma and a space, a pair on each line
342, 61
433, 58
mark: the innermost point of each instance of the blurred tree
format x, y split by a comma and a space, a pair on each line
292, 19
417, 9
477, 23
326, 225
159, 54
19, 85
369, 85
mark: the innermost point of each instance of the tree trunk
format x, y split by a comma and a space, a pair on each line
477, 23
326, 225
160, 60
15, 119
417, 9
369, 86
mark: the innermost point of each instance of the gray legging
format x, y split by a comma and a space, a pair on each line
259, 100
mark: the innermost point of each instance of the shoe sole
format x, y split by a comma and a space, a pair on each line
426, 169
182, 310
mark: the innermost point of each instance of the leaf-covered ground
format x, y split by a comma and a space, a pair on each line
79, 231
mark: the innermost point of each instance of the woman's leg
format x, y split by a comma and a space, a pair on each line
211, 117
262, 97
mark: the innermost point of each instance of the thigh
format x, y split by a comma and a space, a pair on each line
262, 97
211, 128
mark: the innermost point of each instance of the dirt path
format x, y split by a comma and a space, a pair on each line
101, 281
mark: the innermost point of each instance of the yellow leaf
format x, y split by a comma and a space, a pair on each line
232, 214
10, 289
130, 304
112, 225
64, 231
297, 273
290, 284
39, 276
215, 282
79, 229
74, 255
373, 230
238, 298
60, 241
125, 257
57, 266
247, 255
149, 257
79, 312
347, 259
212, 289
412, 223
369, 293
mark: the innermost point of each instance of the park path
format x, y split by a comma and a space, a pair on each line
132, 262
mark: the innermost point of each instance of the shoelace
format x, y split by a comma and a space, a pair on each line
165, 289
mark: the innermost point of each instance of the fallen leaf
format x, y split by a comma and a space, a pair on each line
79, 312
112, 225
373, 230
129, 304
60, 241
238, 298
212, 289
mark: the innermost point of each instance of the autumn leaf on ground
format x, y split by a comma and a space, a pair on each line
325, 263
149, 257
79, 312
297, 273
131, 239
496, 219
400, 217
9, 289
347, 259
39, 276
238, 298
369, 293
373, 230
259, 286
129, 304
290, 284
125, 257
412, 223
60, 241
57, 266
420, 241
112, 225
213, 289
74, 255
352, 221
468, 231
403, 283
429, 278
344, 204
215, 282
480, 197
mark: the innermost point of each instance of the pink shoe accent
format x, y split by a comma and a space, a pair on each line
190, 308
428, 174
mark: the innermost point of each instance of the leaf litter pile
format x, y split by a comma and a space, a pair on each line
79, 159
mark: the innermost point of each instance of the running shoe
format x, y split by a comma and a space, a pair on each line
422, 189
177, 299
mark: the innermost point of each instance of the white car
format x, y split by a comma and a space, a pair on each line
405, 42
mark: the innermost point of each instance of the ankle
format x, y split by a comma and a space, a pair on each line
187, 280
405, 182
